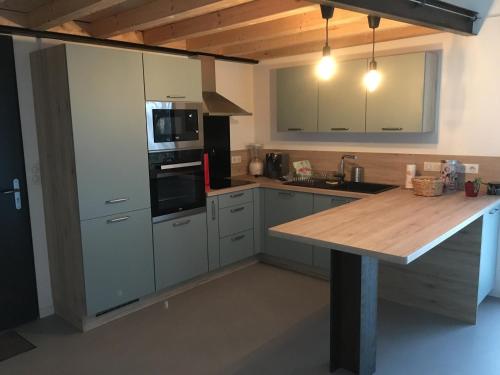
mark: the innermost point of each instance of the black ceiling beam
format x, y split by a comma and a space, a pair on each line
12, 30
429, 13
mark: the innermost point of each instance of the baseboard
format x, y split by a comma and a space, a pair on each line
45, 311
90, 323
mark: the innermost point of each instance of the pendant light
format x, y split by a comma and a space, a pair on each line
373, 77
325, 69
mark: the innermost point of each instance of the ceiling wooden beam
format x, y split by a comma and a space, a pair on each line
268, 30
353, 28
231, 18
57, 12
11, 18
407, 31
157, 13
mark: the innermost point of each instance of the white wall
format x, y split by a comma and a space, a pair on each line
469, 118
235, 82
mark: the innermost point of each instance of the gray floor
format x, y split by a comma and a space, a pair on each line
260, 320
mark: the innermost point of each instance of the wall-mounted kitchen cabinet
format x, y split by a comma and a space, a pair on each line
89, 105
405, 101
297, 99
172, 78
342, 100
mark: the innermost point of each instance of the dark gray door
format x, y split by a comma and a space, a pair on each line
18, 296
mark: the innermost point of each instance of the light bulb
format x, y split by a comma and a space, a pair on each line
326, 68
372, 80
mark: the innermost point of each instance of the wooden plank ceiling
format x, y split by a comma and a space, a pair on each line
256, 29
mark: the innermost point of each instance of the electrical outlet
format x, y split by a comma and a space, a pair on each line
471, 168
236, 159
430, 166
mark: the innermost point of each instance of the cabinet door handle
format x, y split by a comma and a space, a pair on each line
295, 129
285, 194
213, 210
238, 238
181, 223
392, 129
118, 220
234, 210
339, 129
117, 200
494, 211
176, 96
237, 195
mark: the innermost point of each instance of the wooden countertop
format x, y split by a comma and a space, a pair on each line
276, 184
395, 226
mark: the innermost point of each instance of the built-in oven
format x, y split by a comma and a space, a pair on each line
174, 125
177, 184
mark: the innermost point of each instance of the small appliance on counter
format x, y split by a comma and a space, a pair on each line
276, 165
452, 174
256, 166
493, 188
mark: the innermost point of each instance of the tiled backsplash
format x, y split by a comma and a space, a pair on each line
379, 167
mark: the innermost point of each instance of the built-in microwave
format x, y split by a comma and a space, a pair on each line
174, 125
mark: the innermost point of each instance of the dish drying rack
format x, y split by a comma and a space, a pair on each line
327, 177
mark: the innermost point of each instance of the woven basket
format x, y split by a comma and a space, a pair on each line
428, 186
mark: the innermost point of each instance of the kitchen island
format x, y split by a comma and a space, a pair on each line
396, 227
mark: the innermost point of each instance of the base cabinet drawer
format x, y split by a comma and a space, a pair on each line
180, 250
236, 219
236, 198
236, 247
117, 259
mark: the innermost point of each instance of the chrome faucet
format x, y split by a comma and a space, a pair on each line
340, 172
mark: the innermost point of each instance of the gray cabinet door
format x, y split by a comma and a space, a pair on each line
398, 103
172, 78
117, 259
297, 99
236, 247
342, 100
282, 206
180, 250
489, 249
321, 255
109, 130
213, 233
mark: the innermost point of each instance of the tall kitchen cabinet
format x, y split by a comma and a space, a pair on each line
89, 104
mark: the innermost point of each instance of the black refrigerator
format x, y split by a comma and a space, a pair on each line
218, 146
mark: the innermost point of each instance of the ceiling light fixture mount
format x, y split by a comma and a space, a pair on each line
373, 77
325, 68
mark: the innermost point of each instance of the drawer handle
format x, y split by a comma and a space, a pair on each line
118, 220
181, 223
234, 210
494, 211
339, 129
295, 129
213, 210
285, 194
238, 238
392, 129
117, 200
176, 96
237, 195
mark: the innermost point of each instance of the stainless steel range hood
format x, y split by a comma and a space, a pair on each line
214, 104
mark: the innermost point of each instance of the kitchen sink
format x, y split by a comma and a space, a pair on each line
355, 187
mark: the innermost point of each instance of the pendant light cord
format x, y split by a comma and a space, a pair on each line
327, 32
373, 45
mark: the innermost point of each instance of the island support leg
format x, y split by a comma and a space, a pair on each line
353, 312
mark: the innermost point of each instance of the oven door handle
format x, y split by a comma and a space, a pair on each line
180, 165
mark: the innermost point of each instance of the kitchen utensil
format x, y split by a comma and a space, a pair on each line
256, 166
411, 171
493, 188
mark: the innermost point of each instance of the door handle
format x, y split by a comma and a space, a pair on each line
234, 210
181, 223
237, 195
176, 96
213, 210
117, 200
392, 129
118, 219
339, 129
16, 191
